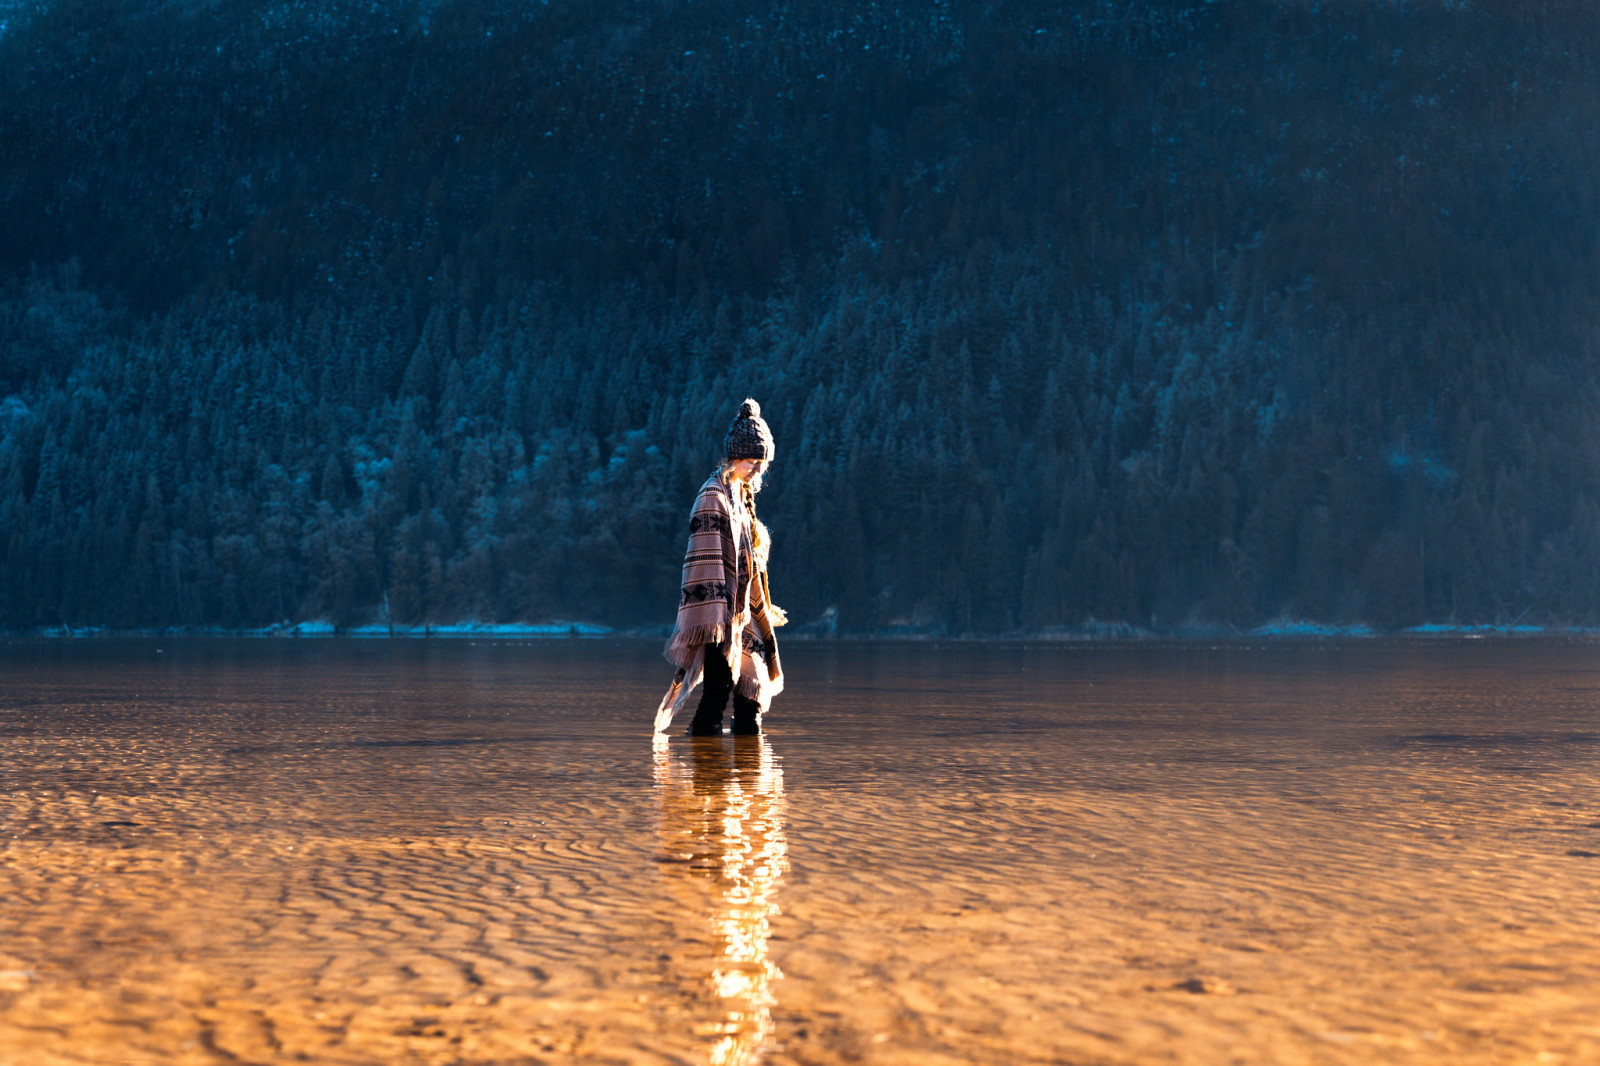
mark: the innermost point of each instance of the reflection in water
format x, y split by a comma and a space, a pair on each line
426, 852
723, 854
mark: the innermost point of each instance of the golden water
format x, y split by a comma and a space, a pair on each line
443, 853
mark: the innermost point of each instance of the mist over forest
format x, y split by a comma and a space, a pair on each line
1158, 312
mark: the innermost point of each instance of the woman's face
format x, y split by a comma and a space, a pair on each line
746, 469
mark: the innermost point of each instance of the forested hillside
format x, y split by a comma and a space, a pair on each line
1145, 311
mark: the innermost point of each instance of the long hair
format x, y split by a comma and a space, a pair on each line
761, 539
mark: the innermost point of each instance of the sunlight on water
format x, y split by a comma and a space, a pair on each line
724, 854
451, 855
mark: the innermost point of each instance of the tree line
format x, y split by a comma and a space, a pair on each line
1161, 313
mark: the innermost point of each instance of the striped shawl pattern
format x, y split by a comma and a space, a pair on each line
706, 600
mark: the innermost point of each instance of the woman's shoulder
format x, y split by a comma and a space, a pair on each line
714, 494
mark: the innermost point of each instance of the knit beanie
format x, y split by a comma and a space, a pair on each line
748, 437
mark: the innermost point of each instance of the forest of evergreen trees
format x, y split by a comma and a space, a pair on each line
1160, 312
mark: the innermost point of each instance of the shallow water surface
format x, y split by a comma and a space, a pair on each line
450, 852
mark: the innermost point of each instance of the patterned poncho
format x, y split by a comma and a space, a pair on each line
723, 604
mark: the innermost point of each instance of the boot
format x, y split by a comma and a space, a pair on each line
746, 716
705, 725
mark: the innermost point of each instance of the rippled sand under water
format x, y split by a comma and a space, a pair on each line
410, 852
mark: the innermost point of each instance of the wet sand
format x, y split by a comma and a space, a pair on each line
443, 853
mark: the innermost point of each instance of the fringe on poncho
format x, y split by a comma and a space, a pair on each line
722, 605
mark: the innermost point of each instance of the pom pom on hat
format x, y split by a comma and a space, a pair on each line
748, 437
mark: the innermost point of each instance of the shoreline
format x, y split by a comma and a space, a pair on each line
1098, 634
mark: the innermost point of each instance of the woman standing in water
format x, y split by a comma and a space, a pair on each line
723, 638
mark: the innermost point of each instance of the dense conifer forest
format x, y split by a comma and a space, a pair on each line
1159, 312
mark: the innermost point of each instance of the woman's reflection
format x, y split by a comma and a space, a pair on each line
722, 833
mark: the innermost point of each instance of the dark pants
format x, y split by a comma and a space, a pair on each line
714, 697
